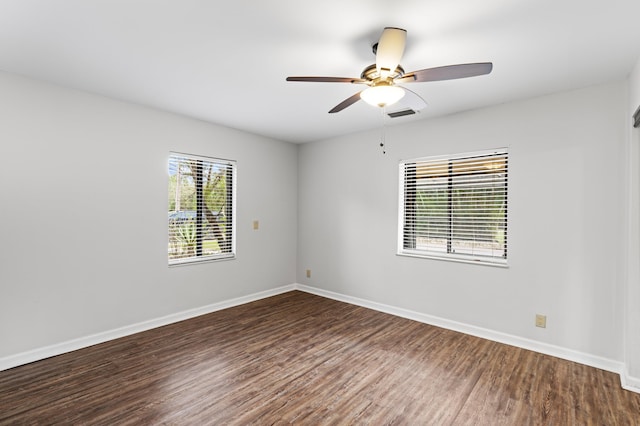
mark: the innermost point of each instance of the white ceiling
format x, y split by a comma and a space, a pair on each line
226, 62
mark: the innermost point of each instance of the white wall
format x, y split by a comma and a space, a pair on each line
632, 320
83, 190
566, 220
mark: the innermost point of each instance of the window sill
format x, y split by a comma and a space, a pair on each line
203, 260
500, 263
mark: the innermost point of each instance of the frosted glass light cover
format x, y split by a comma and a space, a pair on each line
382, 95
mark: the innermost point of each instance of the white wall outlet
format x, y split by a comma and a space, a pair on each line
541, 321
256, 225
308, 273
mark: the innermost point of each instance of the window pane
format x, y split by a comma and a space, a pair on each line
479, 214
431, 215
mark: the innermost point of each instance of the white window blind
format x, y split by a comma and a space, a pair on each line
201, 219
455, 207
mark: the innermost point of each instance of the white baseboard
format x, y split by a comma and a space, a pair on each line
628, 382
520, 342
83, 342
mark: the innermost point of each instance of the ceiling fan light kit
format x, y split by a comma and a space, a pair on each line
382, 95
384, 77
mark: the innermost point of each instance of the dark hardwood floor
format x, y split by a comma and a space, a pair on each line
299, 358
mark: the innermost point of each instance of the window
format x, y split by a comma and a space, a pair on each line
201, 208
455, 207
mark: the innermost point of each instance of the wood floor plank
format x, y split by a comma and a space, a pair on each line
297, 358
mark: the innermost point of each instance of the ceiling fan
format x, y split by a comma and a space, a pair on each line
385, 76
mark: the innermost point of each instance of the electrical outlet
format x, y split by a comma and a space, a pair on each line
256, 225
541, 321
308, 273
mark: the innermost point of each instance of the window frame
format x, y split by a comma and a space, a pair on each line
230, 169
447, 178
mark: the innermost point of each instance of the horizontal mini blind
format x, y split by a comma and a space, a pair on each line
201, 218
455, 207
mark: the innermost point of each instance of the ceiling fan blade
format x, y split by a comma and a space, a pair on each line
390, 49
347, 102
412, 100
327, 79
449, 72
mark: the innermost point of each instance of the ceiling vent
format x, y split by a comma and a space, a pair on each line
401, 113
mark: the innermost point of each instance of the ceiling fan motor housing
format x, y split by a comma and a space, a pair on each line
372, 75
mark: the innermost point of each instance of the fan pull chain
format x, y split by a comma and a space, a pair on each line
383, 132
